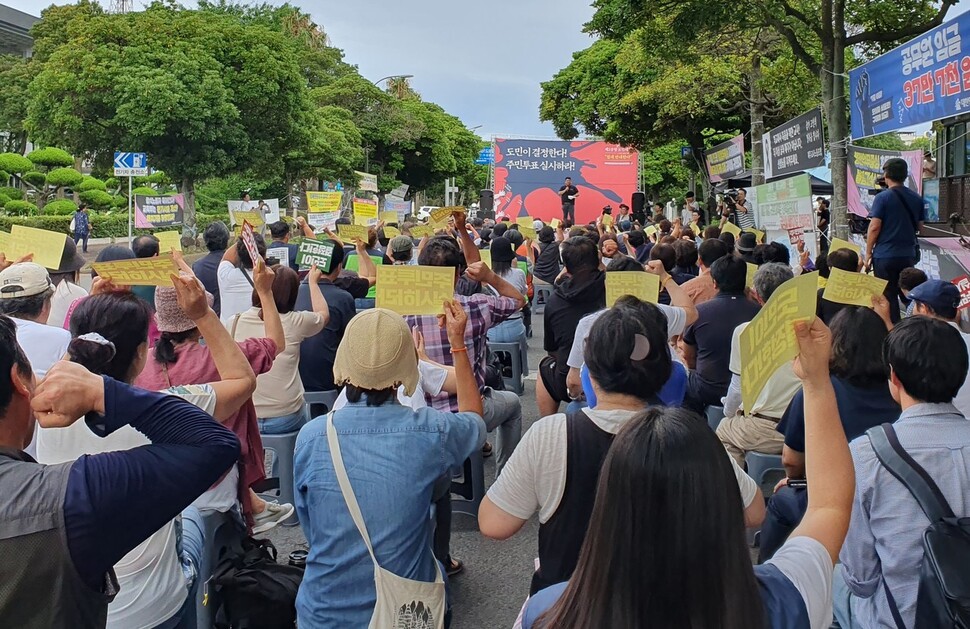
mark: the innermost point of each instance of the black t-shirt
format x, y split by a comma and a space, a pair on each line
860, 409
823, 217
570, 191
566, 306
548, 266
712, 332
318, 352
826, 310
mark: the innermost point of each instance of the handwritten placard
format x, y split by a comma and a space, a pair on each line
643, 286
319, 252
769, 340
414, 290
169, 240
157, 271
47, 246
348, 233
854, 289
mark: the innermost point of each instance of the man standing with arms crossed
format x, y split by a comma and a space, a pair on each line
895, 219
568, 192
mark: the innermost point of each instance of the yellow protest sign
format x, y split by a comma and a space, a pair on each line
527, 231
442, 214
486, 256
769, 340
167, 240
389, 217
320, 202
758, 234
554, 223
607, 220
348, 233
365, 212
694, 227
643, 286
527, 221
139, 272
854, 289
253, 218
414, 290
730, 228
749, 279
47, 246
420, 231
650, 230
5, 244
391, 232
838, 243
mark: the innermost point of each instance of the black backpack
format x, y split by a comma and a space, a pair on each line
943, 601
254, 591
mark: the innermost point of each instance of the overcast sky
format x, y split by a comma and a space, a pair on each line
482, 62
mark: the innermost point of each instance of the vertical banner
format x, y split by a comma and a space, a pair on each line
529, 173
725, 160
931, 200
796, 146
865, 166
784, 210
158, 211
925, 79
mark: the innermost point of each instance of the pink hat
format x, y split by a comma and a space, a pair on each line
168, 315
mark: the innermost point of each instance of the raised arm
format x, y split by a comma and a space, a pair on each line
467, 244
305, 228
273, 325
455, 320
317, 301
366, 268
481, 273
678, 296
828, 462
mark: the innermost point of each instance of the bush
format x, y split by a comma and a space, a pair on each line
118, 201
20, 208
146, 191
61, 177
35, 178
3, 199
50, 157
13, 193
15, 163
96, 198
111, 182
90, 183
62, 207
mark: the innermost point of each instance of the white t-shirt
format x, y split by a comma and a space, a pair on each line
676, 322
431, 378
153, 587
43, 344
235, 291
64, 295
779, 390
962, 400
809, 567
534, 479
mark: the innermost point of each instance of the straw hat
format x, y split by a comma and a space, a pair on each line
377, 352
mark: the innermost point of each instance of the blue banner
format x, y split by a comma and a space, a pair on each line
925, 79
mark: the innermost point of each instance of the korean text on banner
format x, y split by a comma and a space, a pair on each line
249, 240
323, 220
365, 212
795, 146
158, 211
726, 160
854, 289
442, 214
420, 231
169, 240
643, 286
47, 246
729, 228
368, 182
156, 271
280, 254
963, 283
866, 165
769, 340
320, 202
414, 290
348, 233
319, 252
838, 243
786, 204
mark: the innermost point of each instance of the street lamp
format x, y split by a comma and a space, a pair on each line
394, 76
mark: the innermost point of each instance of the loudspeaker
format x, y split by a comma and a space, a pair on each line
486, 201
638, 205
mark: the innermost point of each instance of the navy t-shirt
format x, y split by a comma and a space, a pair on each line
899, 209
711, 335
860, 408
318, 352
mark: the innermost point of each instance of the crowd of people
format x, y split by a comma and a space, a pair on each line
128, 415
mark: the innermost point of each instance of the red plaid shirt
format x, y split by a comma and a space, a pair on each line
484, 312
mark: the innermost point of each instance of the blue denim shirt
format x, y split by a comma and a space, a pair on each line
393, 456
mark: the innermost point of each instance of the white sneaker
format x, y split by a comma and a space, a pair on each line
273, 514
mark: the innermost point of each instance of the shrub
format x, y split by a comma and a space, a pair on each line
13, 193
15, 163
146, 190
118, 201
35, 178
96, 198
50, 157
61, 207
60, 177
20, 208
111, 182
90, 183
3, 199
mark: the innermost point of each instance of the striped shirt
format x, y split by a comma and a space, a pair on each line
885, 535
745, 219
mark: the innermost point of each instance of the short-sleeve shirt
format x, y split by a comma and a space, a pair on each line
571, 191
900, 213
860, 408
676, 322
235, 291
44, 345
711, 335
318, 352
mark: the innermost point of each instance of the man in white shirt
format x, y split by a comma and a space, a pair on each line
25, 296
235, 275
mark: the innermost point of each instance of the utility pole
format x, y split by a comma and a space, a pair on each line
757, 100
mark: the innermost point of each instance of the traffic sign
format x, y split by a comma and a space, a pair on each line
685, 152
486, 156
130, 164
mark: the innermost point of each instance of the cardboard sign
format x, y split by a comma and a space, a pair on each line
323, 202
365, 212
486, 257
838, 243
420, 231
156, 271
442, 214
249, 240
730, 228
391, 232
319, 252
348, 233
769, 340
282, 254
854, 289
169, 240
47, 246
414, 290
749, 278
963, 283
643, 286
389, 217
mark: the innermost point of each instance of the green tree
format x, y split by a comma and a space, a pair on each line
15, 75
51, 157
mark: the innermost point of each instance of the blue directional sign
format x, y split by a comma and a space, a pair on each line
130, 164
486, 156
685, 152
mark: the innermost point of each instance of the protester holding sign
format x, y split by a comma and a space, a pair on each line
235, 277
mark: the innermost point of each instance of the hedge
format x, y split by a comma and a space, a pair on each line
102, 225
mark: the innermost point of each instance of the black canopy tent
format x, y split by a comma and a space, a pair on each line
820, 187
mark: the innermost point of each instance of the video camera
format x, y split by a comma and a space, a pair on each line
882, 185
730, 196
